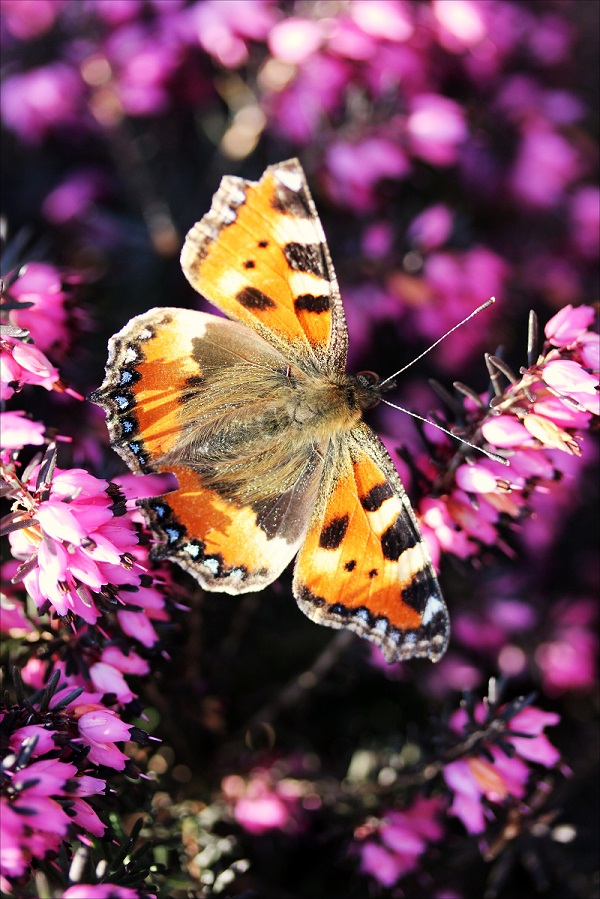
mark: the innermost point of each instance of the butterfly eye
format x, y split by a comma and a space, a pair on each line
369, 381
368, 378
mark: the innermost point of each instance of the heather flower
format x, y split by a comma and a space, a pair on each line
568, 325
261, 803
48, 294
100, 729
353, 170
27, 19
584, 218
397, 841
546, 165
17, 431
23, 363
224, 29
105, 891
431, 228
74, 550
38, 102
568, 659
498, 771
435, 128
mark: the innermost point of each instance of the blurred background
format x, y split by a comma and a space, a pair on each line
452, 150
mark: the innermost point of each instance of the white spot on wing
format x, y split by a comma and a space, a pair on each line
293, 180
434, 605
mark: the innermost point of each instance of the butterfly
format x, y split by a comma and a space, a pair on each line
258, 420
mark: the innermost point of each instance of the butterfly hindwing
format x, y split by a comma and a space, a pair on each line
364, 564
231, 529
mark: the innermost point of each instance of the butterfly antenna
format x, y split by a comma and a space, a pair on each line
439, 340
434, 424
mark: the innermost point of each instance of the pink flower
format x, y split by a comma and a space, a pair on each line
104, 891
461, 24
261, 803
41, 100
223, 29
43, 739
27, 19
17, 431
545, 166
295, 40
354, 169
73, 545
100, 729
402, 837
432, 227
23, 363
584, 216
436, 128
569, 659
500, 777
48, 318
569, 324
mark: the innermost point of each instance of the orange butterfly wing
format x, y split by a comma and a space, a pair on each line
155, 407
363, 564
261, 256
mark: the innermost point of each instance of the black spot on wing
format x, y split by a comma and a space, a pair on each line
351, 565
307, 302
421, 587
252, 298
249, 263
290, 202
334, 532
306, 257
376, 497
398, 537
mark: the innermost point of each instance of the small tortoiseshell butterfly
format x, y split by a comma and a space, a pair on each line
262, 426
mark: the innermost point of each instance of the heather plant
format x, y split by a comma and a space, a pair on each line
159, 741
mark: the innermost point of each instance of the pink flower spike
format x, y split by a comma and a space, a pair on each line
380, 864
505, 431
107, 679
17, 430
261, 813
537, 747
476, 479
569, 378
568, 324
295, 40
103, 726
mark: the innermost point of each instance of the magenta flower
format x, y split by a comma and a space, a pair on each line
584, 215
494, 775
101, 729
104, 891
49, 317
569, 324
354, 169
23, 363
436, 128
71, 545
27, 19
546, 165
32, 821
17, 431
395, 845
568, 660
262, 802
42, 100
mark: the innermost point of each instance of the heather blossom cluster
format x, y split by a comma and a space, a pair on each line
531, 423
